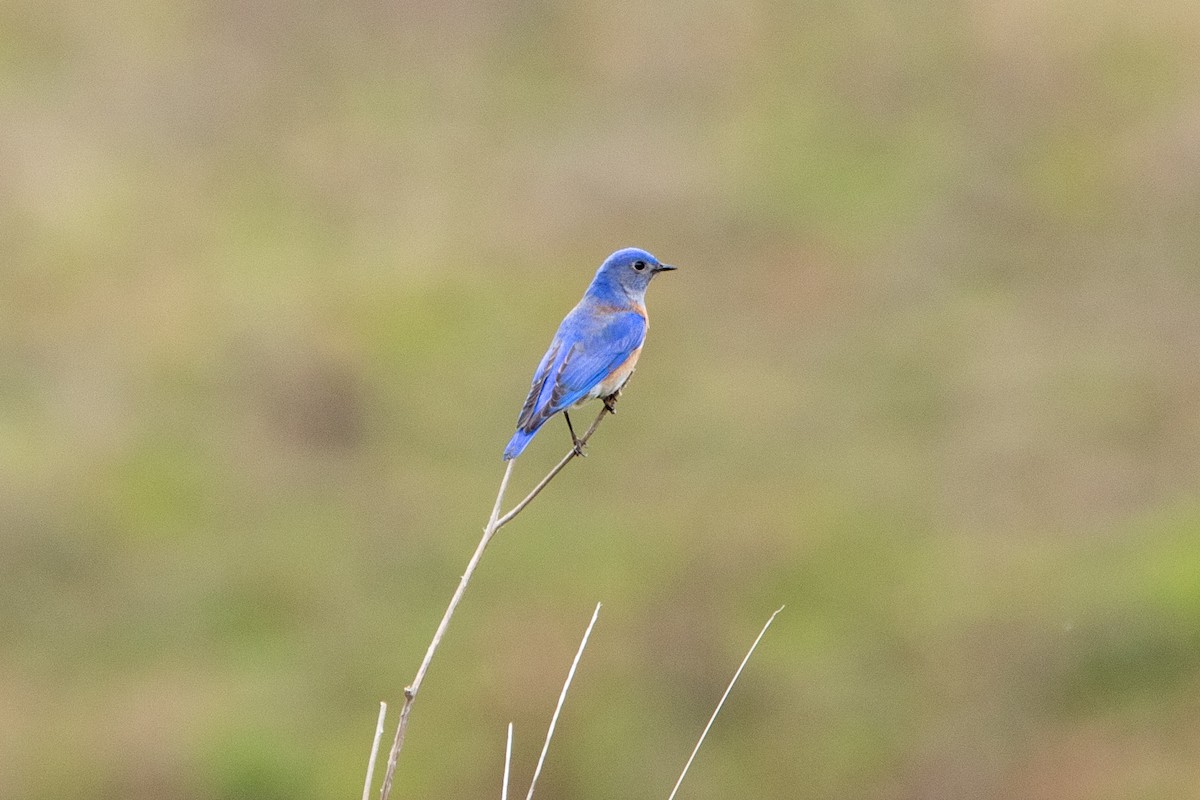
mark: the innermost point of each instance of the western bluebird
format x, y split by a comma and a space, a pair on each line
596, 347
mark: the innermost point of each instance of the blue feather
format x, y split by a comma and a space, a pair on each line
517, 444
598, 336
586, 349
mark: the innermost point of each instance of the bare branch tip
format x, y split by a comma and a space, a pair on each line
374, 751
561, 698
721, 702
507, 762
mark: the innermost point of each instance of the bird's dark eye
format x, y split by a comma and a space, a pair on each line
639, 265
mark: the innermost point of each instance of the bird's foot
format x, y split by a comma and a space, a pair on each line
610, 402
575, 440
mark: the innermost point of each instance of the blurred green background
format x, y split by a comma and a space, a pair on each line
274, 280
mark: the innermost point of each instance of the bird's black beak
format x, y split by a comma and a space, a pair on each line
664, 268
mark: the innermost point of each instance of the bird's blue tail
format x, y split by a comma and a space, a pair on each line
517, 443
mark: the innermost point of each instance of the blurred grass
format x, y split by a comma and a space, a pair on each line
275, 277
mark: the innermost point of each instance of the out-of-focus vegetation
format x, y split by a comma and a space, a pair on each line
274, 280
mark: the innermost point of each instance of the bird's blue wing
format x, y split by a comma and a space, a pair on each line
584, 352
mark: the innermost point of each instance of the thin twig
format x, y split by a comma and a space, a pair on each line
519, 507
507, 763
410, 691
495, 522
374, 751
561, 697
722, 702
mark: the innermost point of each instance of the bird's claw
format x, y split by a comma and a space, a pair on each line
579, 445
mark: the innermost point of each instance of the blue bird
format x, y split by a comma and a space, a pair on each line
596, 347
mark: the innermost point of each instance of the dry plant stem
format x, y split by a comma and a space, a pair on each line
495, 523
507, 763
374, 751
728, 688
410, 691
561, 697
519, 507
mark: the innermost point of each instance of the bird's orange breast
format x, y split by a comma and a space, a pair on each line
616, 379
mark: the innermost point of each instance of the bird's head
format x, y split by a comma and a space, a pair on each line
632, 270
